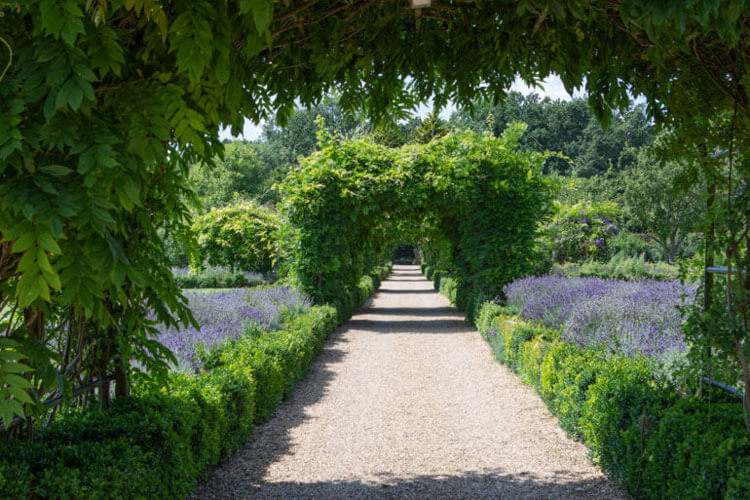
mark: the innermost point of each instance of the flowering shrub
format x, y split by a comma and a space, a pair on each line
227, 315
627, 317
581, 231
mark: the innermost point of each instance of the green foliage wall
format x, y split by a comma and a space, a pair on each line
241, 236
477, 192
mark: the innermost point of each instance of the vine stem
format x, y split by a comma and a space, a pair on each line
10, 58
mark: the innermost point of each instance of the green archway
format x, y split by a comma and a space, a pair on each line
479, 197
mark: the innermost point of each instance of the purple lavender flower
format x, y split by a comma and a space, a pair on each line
227, 315
626, 317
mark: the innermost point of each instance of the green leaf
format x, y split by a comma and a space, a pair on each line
27, 290
7, 343
42, 260
56, 170
28, 263
7, 411
10, 355
48, 243
52, 279
132, 188
24, 242
21, 395
262, 14
15, 381
70, 94
13, 367
222, 69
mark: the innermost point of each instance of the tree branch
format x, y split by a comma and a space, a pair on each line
10, 58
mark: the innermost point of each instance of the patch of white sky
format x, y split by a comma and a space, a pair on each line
551, 87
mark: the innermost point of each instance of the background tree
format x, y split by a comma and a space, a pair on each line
240, 174
429, 128
657, 203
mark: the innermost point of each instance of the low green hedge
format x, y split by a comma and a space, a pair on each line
155, 445
448, 287
216, 277
349, 300
619, 267
653, 443
466, 298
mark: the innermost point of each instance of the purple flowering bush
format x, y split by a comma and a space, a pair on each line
581, 231
228, 314
626, 317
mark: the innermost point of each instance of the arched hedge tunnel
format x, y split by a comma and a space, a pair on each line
471, 201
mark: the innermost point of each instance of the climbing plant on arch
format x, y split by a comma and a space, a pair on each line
103, 104
480, 193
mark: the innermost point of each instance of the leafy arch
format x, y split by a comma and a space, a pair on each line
479, 195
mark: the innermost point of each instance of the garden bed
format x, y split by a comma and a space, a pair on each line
652, 441
156, 443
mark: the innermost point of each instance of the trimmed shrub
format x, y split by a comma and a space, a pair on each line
449, 288
694, 452
348, 301
155, 445
428, 272
216, 277
650, 441
623, 406
138, 448
241, 236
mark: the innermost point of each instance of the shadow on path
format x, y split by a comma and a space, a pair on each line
470, 485
413, 311
415, 326
270, 440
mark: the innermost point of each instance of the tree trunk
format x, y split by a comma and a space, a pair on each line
122, 383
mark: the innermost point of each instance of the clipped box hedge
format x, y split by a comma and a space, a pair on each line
349, 300
467, 299
653, 443
157, 444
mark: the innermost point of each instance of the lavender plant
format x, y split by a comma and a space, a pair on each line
227, 315
626, 317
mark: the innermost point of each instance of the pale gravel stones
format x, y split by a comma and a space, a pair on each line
406, 402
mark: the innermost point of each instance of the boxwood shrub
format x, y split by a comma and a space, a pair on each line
155, 445
216, 277
652, 442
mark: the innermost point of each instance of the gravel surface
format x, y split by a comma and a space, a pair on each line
406, 402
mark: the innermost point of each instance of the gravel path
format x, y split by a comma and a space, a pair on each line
406, 402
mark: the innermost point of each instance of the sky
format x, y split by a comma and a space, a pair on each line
552, 87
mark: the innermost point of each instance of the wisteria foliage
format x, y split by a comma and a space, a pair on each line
626, 317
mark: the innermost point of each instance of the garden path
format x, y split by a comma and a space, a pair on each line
406, 402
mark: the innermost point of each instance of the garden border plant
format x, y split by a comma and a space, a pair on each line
156, 443
648, 439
